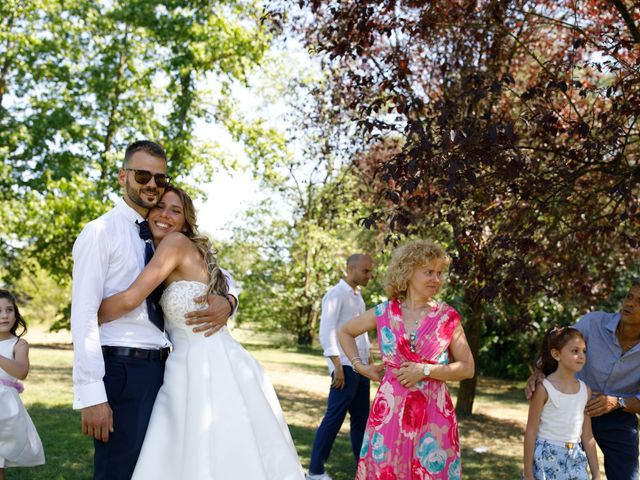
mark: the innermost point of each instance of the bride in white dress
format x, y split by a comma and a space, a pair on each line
217, 415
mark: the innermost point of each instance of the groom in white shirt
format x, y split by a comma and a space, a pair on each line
119, 366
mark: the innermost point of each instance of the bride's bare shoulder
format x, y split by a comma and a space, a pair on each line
175, 239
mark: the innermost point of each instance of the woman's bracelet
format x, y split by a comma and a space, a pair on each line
226, 297
355, 360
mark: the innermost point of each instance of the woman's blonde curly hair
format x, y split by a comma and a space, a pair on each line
405, 259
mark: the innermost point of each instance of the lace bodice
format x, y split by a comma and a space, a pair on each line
177, 299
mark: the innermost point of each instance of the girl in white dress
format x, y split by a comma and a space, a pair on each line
558, 432
20, 445
217, 415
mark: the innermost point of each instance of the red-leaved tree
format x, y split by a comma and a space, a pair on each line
506, 129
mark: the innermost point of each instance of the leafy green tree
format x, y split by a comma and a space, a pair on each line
79, 80
286, 266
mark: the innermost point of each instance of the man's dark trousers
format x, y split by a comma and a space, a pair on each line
617, 436
132, 385
352, 398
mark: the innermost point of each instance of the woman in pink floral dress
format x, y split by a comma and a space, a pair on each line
412, 431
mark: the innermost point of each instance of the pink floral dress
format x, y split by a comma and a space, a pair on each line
412, 433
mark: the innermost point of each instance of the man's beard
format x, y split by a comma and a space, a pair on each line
135, 197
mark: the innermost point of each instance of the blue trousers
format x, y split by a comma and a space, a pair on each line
132, 385
617, 436
352, 398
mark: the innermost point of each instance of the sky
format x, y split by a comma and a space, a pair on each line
229, 195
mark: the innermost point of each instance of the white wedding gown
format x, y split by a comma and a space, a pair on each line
20, 445
216, 416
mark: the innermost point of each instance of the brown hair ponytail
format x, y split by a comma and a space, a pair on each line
555, 339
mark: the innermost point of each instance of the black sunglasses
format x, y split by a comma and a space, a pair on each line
144, 176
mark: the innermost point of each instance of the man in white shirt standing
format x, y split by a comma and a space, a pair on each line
349, 390
119, 366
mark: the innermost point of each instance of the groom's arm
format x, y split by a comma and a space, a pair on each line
90, 266
220, 309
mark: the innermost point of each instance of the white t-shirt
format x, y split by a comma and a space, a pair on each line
339, 305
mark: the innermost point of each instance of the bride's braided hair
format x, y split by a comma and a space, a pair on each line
217, 281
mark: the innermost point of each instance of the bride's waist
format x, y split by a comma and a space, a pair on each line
185, 333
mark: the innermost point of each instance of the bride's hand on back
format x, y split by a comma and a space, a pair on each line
214, 317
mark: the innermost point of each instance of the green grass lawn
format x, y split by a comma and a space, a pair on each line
301, 380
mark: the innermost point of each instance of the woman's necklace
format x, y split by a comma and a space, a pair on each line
422, 311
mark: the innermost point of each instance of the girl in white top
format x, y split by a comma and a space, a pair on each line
558, 432
20, 444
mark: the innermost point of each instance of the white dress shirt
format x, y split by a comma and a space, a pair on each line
108, 256
339, 305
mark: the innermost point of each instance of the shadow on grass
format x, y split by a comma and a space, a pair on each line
301, 362
489, 466
301, 350
304, 413
501, 390
493, 464
302, 403
58, 376
69, 454
52, 346
318, 370
490, 427
341, 464
65, 371
495, 390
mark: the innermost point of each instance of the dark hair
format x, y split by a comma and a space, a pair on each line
217, 280
19, 319
555, 339
147, 146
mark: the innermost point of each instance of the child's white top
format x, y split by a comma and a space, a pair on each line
6, 350
563, 414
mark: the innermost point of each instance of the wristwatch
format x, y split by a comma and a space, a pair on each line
426, 370
622, 403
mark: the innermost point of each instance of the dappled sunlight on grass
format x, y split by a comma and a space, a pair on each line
69, 454
499, 443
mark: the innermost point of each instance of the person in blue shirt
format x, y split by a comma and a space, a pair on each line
613, 373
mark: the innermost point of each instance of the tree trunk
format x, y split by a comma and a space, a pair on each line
304, 335
304, 338
473, 331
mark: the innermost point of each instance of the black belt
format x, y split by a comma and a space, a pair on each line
131, 352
